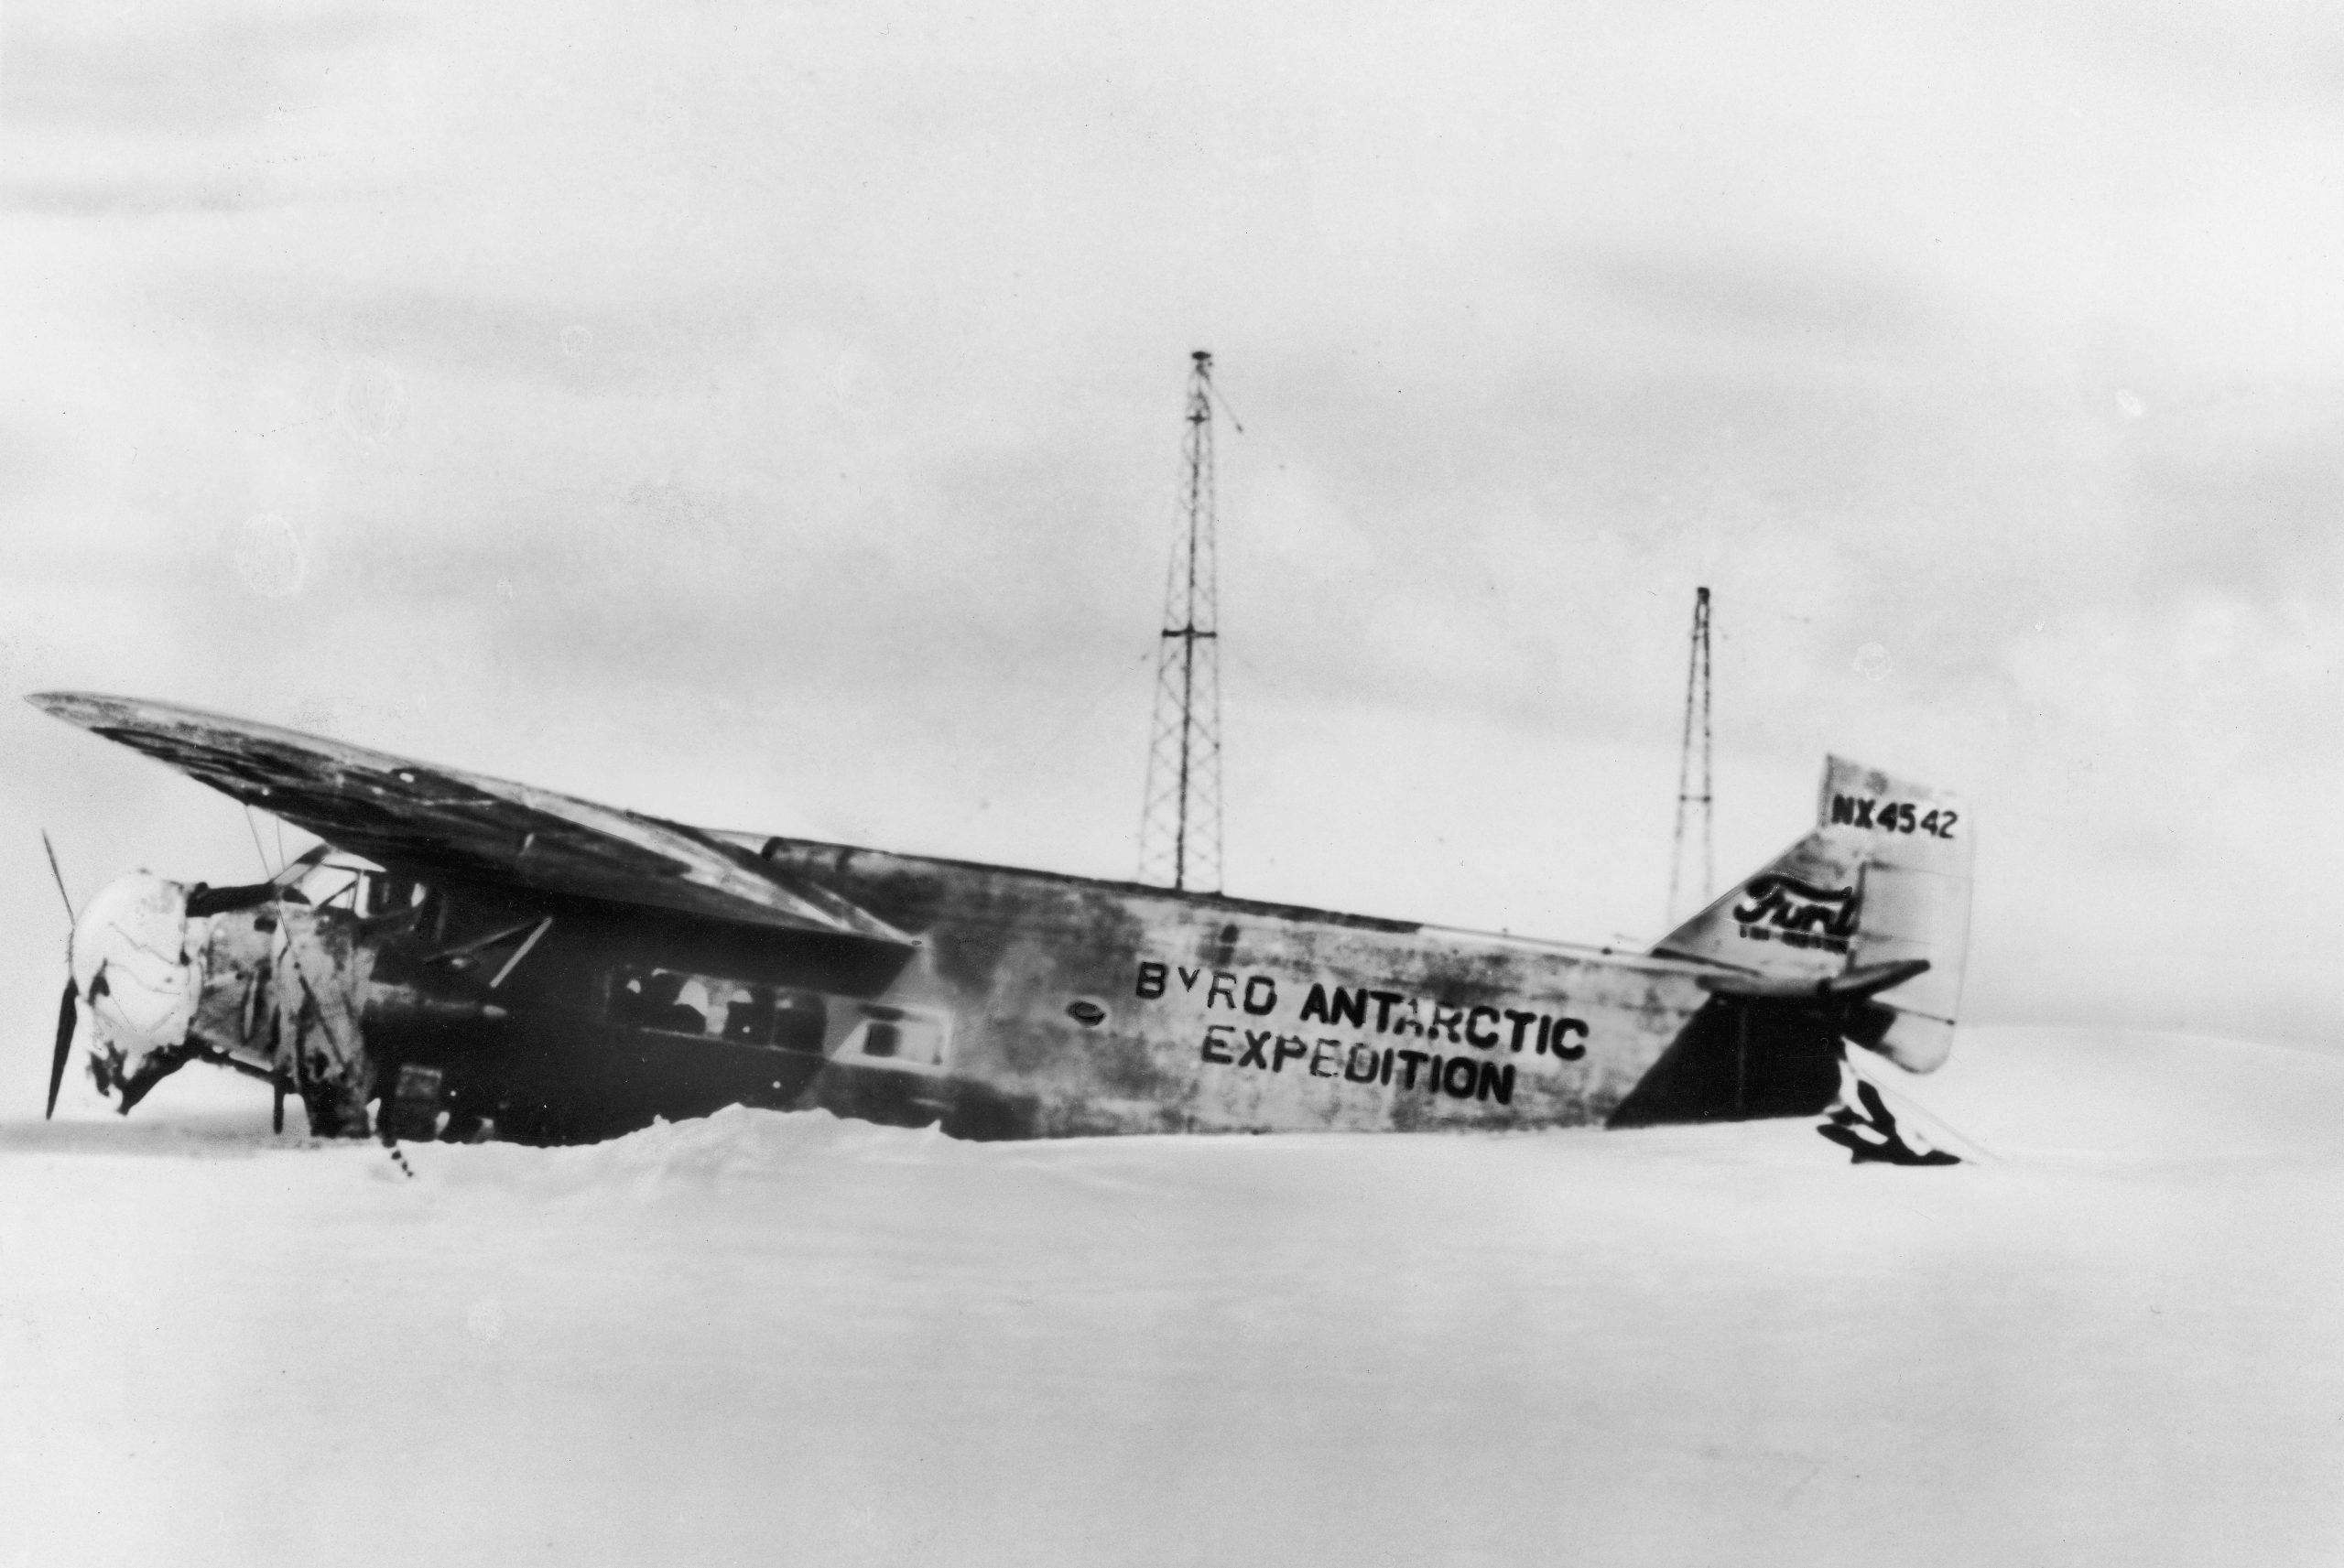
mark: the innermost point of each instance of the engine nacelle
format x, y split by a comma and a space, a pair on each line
258, 978
140, 981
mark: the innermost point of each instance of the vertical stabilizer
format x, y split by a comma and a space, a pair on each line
1883, 879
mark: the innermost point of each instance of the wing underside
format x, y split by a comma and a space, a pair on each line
417, 816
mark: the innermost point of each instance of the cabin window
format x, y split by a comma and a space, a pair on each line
899, 1037
663, 1000
670, 1001
800, 1022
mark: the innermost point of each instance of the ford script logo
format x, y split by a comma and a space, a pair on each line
1786, 903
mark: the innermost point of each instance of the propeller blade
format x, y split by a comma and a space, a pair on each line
53, 871
65, 1020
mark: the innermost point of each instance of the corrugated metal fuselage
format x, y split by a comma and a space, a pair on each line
1026, 1005
1082, 1007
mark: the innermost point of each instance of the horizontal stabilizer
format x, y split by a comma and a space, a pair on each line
1849, 985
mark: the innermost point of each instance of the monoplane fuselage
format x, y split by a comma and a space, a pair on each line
484, 958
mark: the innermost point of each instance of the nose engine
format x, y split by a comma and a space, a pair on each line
139, 981
253, 978
256, 978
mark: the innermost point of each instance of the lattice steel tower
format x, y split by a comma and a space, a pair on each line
1179, 832
1690, 801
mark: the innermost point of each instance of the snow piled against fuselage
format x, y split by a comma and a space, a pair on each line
736, 1144
787, 1337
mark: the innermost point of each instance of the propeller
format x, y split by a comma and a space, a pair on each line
65, 1010
65, 1022
53, 871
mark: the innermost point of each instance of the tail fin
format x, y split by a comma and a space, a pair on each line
1883, 879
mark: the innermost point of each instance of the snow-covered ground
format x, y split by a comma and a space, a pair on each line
766, 1339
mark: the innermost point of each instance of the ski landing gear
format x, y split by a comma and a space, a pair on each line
1862, 1123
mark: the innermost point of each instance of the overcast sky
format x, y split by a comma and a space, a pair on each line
769, 416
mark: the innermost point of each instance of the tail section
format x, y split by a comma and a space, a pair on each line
1879, 889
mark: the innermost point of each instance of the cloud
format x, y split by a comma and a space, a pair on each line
1744, 298
583, 346
132, 71
125, 198
2239, 492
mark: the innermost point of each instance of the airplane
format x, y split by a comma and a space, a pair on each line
464, 957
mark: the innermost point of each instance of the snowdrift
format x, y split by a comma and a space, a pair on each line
2140, 1094
787, 1337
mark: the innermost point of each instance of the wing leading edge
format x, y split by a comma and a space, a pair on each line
415, 815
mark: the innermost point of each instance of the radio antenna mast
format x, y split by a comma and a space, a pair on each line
1180, 835
1693, 793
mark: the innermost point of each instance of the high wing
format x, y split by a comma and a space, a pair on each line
414, 815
